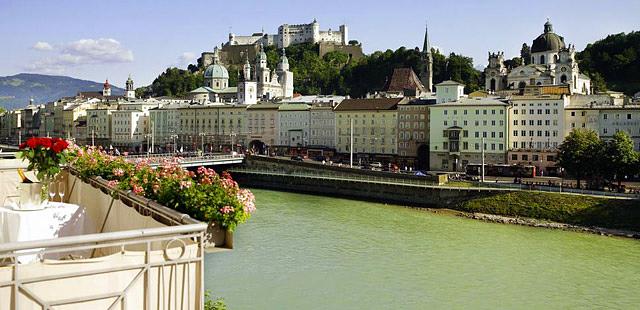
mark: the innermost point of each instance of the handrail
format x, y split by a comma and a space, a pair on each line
103, 237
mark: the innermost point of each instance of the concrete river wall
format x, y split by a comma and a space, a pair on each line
312, 178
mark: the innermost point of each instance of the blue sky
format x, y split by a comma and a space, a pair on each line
110, 39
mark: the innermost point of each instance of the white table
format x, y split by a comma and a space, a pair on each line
57, 220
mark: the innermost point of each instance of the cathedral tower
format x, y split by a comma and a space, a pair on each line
130, 91
426, 77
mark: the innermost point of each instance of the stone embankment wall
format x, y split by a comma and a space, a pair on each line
294, 167
406, 194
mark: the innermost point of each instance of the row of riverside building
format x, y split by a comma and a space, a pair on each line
521, 118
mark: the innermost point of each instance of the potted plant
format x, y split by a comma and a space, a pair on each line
45, 156
202, 194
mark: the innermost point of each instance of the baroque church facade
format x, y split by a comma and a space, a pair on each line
263, 83
551, 63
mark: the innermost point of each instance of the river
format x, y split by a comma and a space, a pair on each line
311, 252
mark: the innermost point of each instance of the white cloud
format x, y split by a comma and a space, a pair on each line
186, 58
80, 53
42, 46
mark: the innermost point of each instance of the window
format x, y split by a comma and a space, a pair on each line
525, 157
445, 145
500, 147
465, 133
465, 122
539, 122
477, 112
604, 116
531, 122
539, 111
465, 145
477, 146
523, 122
484, 112
493, 134
547, 123
445, 123
573, 113
515, 145
515, 111
501, 134
493, 146
515, 122
444, 133
445, 112
484, 134
514, 156
515, 133
628, 116
523, 133
477, 134
493, 123
550, 158
530, 133
534, 157
465, 112
532, 111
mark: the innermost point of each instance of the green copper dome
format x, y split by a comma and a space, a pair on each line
216, 71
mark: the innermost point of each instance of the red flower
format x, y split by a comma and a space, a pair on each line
59, 146
45, 142
32, 142
23, 145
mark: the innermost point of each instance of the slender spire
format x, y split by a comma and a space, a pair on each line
426, 47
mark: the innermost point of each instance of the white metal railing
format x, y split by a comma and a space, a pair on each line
148, 268
330, 175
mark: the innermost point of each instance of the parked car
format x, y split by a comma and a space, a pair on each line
319, 158
297, 158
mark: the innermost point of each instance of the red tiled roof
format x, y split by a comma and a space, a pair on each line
368, 104
404, 79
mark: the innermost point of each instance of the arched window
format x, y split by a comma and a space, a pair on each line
542, 59
575, 81
533, 60
539, 83
493, 85
563, 79
522, 84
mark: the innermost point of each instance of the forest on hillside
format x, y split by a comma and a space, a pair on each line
331, 74
613, 63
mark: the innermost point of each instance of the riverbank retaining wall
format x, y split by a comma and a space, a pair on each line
262, 163
406, 194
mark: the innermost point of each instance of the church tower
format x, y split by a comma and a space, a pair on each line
106, 89
130, 91
426, 77
285, 77
247, 88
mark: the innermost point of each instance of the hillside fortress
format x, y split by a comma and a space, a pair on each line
550, 62
233, 51
293, 34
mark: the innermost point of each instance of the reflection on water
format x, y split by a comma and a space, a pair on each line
311, 252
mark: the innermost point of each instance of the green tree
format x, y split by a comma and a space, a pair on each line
620, 157
525, 53
580, 153
613, 62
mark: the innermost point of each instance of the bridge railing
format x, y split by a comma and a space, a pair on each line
356, 178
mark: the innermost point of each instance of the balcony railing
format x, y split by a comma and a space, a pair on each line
142, 256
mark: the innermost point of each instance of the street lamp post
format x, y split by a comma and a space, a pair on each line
202, 135
351, 145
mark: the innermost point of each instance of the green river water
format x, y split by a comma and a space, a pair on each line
311, 252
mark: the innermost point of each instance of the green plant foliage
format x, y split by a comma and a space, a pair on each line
585, 156
614, 59
565, 208
334, 73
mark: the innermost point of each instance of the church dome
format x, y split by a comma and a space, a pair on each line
216, 71
548, 41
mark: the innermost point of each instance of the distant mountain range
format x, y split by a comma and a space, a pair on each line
16, 90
